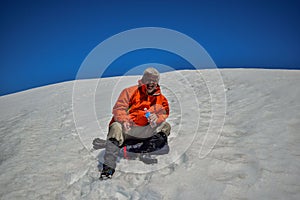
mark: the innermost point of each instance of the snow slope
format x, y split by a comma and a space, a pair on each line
46, 154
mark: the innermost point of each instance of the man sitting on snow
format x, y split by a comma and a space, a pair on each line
138, 116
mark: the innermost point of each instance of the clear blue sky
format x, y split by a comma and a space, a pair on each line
45, 42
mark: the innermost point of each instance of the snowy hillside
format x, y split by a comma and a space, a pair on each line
46, 135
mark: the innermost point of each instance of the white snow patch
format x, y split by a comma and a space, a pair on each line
257, 156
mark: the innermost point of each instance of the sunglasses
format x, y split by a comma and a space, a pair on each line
147, 81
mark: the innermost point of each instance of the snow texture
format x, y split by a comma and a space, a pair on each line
46, 154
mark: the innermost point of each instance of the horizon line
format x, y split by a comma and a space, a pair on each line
118, 75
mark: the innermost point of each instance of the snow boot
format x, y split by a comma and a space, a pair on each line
99, 143
147, 159
107, 172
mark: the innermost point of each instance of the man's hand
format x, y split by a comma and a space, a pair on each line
126, 127
152, 120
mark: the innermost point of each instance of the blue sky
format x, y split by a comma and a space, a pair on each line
45, 42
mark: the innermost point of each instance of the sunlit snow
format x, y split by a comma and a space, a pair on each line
46, 154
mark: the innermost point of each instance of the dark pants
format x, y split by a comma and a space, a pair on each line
152, 138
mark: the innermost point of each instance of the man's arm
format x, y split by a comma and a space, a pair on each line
161, 111
121, 107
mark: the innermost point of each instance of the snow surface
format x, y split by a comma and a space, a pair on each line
46, 154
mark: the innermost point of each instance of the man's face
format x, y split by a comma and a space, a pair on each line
151, 84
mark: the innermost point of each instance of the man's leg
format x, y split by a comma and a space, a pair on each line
114, 139
164, 128
153, 139
115, 132
144, 132
159, 138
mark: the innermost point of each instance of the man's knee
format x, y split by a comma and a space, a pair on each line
165, 127
115, 132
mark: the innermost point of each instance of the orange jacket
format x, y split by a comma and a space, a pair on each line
131, 104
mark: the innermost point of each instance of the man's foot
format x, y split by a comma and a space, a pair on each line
107, 172
99, 143
147, 159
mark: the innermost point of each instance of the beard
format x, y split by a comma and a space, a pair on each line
151, 87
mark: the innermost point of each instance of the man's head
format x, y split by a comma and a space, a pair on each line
150, 79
